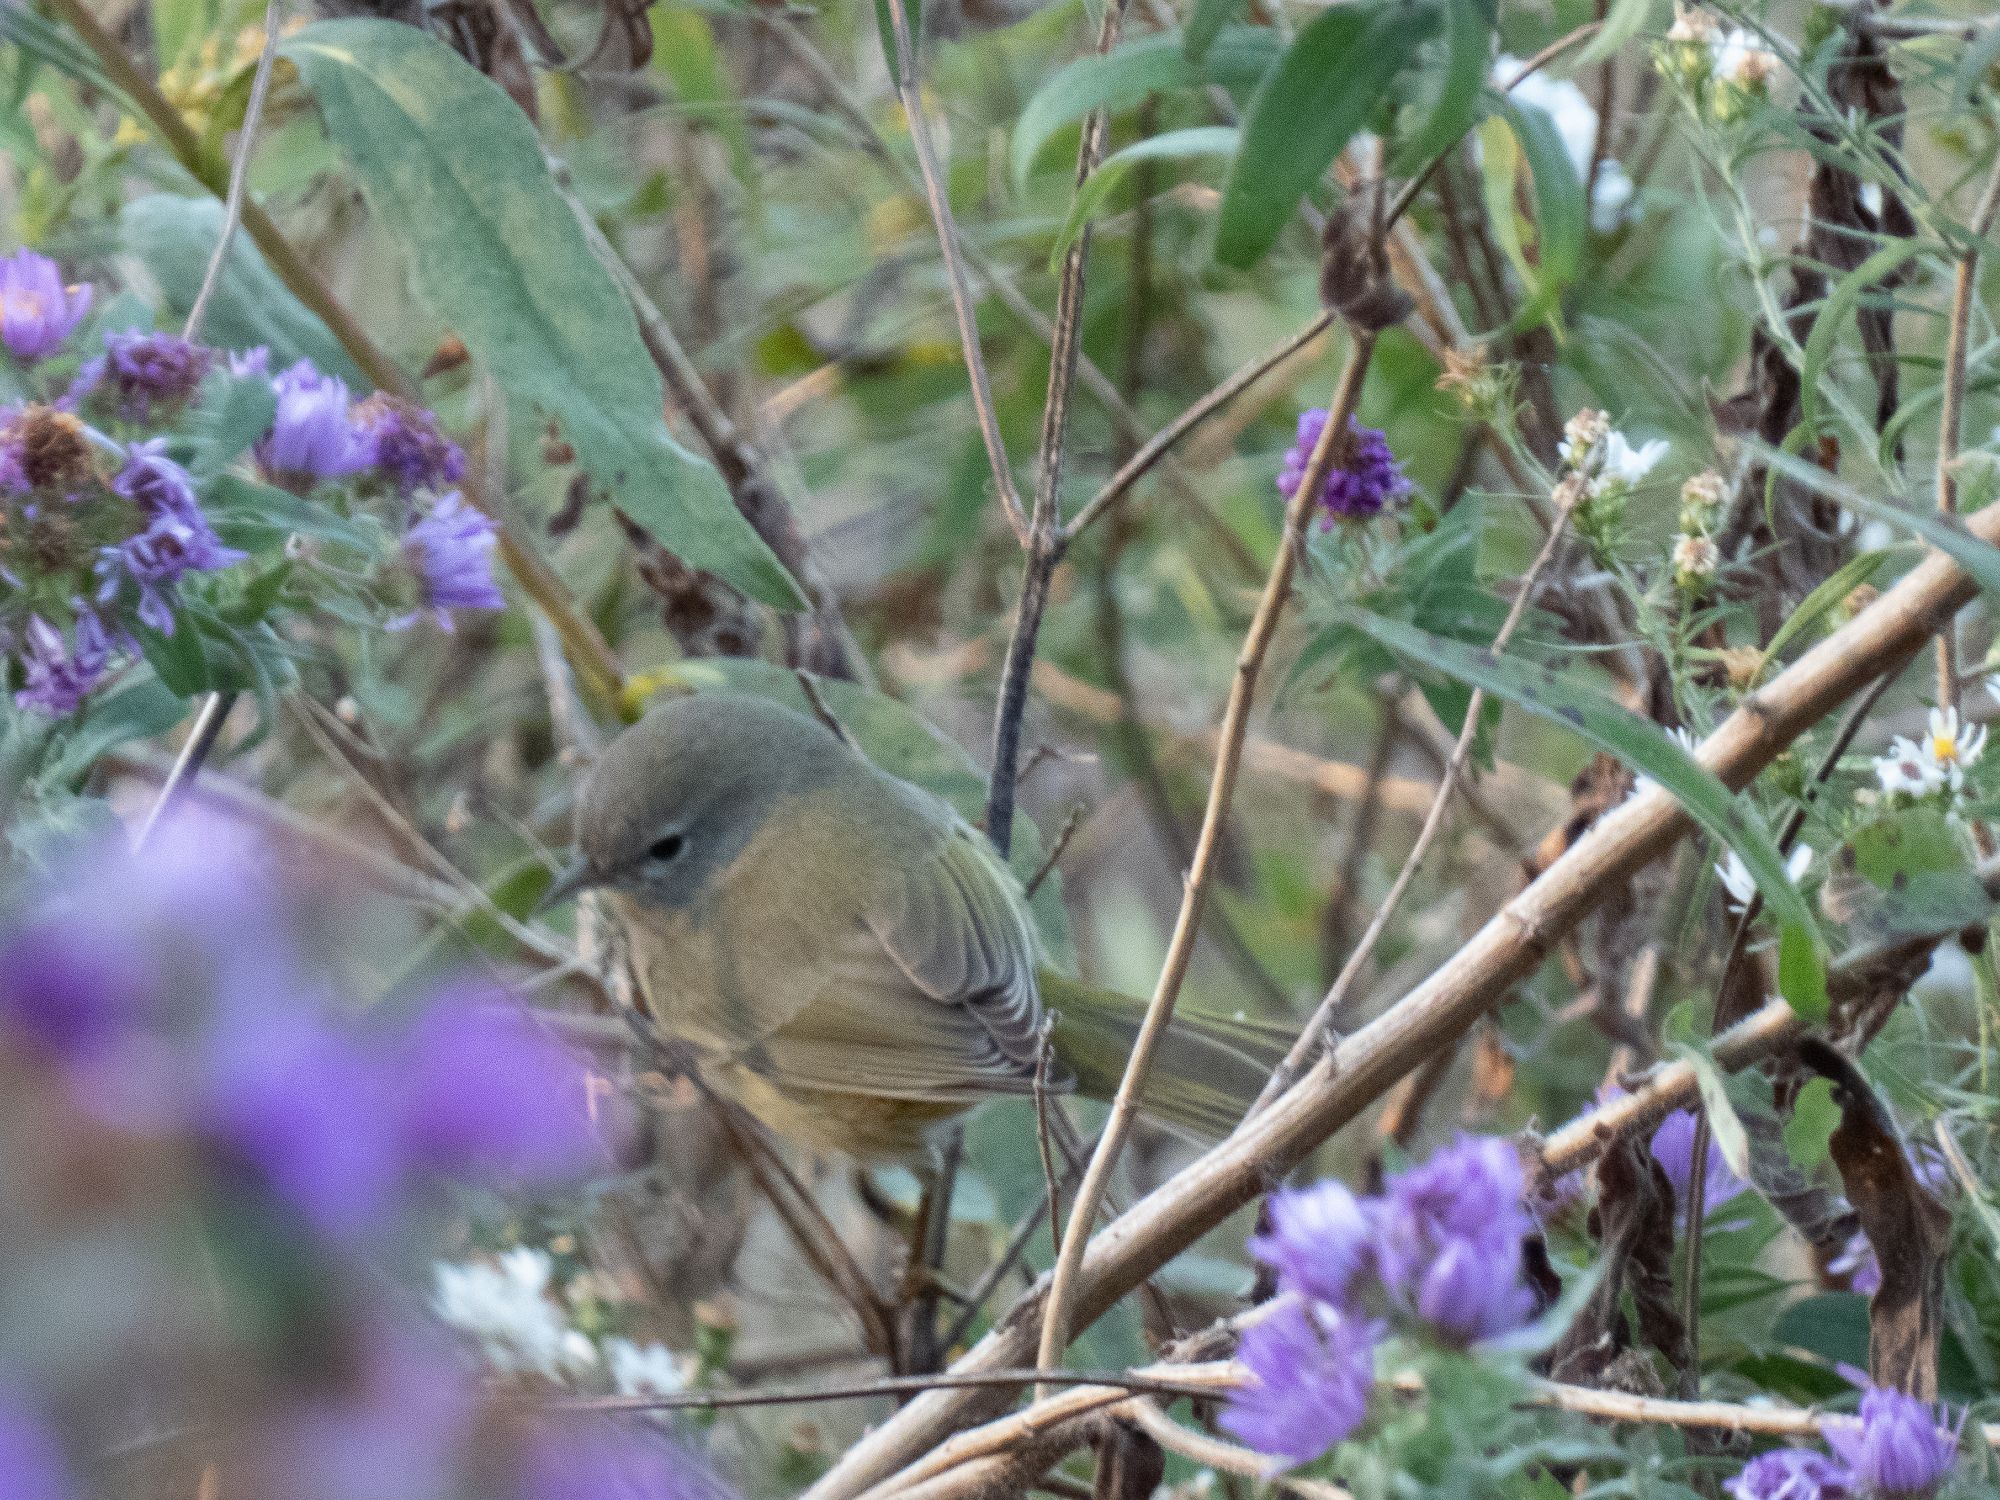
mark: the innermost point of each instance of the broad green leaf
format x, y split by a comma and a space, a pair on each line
1624, 21
1918, 862
138, 708
1125, 75
1946, 533
1826, 596
173, 238
1811, 1124
1856, 284
178, 25
1322, 91
1647, 749
885, 26
251, 515
1176, 145
1560, 211
1723, 1124
455, 173
1459, 97
1205, 25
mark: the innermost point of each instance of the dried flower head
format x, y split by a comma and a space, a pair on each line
54, 449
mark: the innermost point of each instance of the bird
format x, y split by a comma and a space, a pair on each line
842, 954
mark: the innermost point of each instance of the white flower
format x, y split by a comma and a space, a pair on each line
1611, 196
1691, 25
1561, 100
1908, 769
1581, 435
652, 1371
1739, 58
1870, 194
1735, 875
1702, 498
1949, 980
1696, 557
1625, 464
1681, 735
1954, 746
507, 1309
1993, 687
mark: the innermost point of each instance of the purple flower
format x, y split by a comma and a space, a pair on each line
1857, 1263
450, 552
57, 677
66, 993
155, 483
155, 559
1320, 1239
305, 1103
1895, 1448
1368, 479
1790, 1474
581, 1460
408, 446
13, 453
32, 1466
313, 435
1311, 1369
244, 363
487, 1092
1450, 1240
152, 374
1673, 1149
36, 311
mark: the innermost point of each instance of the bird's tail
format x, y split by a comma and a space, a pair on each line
1208, 1070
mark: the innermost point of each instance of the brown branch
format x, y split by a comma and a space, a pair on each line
1880, 639
1180, 948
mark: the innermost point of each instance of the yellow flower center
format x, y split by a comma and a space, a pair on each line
1944, 746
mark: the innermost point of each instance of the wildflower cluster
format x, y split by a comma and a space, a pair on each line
1360, 482
180, 1057
1696, 554
1439, 1252
1578, 127
1724, 72
1933, 769
110, 471
1894, 1449
1600, 468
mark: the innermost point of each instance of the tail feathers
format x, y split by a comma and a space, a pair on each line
1208, 1070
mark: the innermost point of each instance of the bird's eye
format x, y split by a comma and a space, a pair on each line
667, 848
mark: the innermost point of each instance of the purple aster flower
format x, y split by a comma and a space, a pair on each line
310, 1108
36, 311
450, 552
1857, 1264
152, 374
1895, 1448
155, 483
1357, 488
67, 992
57, 676
1311, 1369
1320, 1239
313, 435
581, 1460
244, 363
408, 446
32, 1466
1790, 1474
487, 1092
155, 559
1673, 1149
1450, 1240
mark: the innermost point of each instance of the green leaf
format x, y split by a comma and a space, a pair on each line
137, 708
1624, 21
1919, 862
1176, 145
1205, 25
1822, 600
1322, 91
1813, 1118
1460, 97
1856, 284
885, 25
1981, 560
1723, 1124
178, 25
231, 414
1645, 748
454, 171
250, 515
1124, 76
173, 238
1560, 213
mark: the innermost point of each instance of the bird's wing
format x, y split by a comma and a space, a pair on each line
931, 993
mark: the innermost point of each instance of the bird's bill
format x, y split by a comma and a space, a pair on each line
572, 879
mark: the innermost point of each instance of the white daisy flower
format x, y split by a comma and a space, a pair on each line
1741, 59
507, 1309
654, 1370
1953, 745
1737, 881
1908, 769
1625, 464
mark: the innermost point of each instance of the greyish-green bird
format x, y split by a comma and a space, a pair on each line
846, 957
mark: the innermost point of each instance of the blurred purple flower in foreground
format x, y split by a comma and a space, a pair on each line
313, 436
1320, 1240
1354, 490
37, 312
1673, 1149
450, 553
1311, 1368
1895, 1448
1790, 1474
31, 1464
1450, 1247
